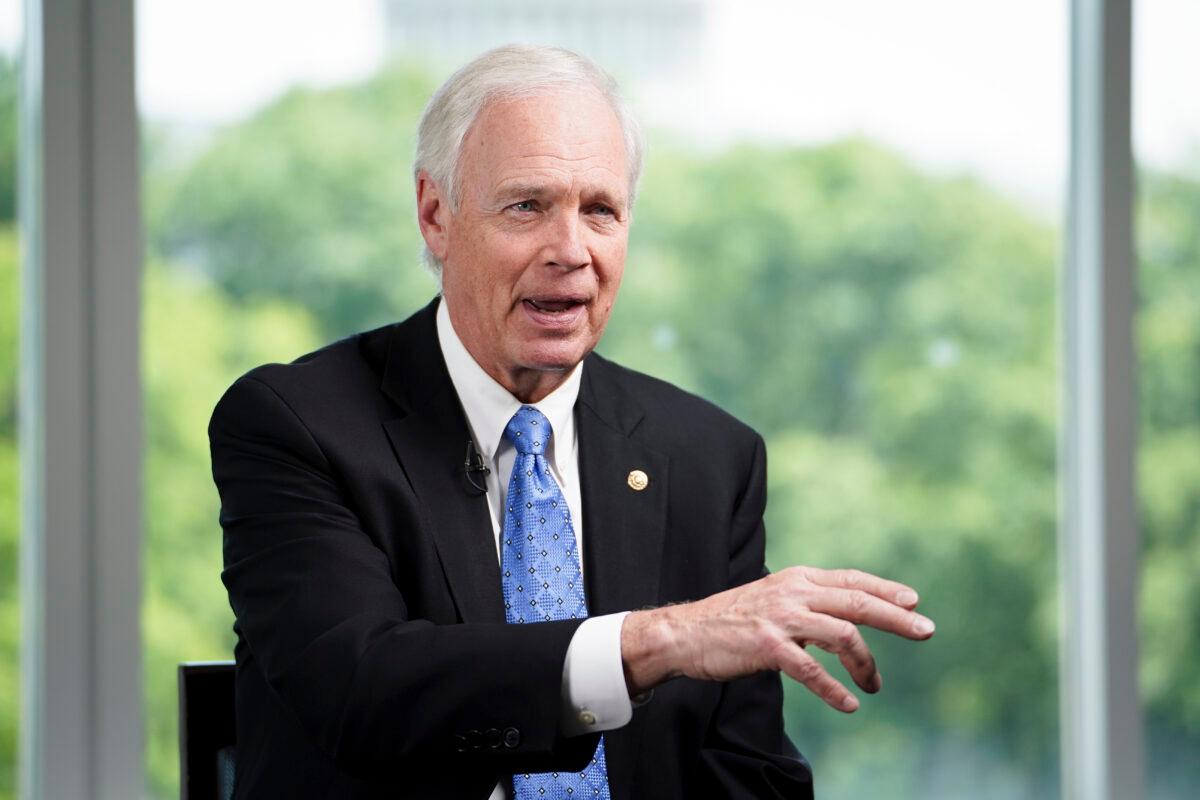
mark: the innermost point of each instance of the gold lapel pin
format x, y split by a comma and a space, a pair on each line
638, 480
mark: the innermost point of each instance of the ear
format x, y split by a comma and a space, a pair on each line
433, 215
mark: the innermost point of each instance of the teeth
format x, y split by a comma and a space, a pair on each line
552, 307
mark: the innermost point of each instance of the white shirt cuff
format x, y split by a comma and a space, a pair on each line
594, 694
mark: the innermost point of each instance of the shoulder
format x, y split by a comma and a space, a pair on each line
347, 361
341, 375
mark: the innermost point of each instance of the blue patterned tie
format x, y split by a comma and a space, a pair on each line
542, 580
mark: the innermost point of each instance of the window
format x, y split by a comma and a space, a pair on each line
847, 235
10, 294
1167, 148
864, 266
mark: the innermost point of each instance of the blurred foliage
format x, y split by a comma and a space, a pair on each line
309, 201
194, 344
1168, 331
10, 612
892, 334
8, 138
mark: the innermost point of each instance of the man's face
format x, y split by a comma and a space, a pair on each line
534, 255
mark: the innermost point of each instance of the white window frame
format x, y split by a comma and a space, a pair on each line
1100, 711
81, 400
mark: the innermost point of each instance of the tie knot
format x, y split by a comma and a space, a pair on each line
529, 431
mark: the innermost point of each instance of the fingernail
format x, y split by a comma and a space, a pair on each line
923, 626
907, 598
877, 682
850, 703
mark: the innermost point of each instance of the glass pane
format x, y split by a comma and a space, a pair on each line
847, 235
10, 295
1167, 149
864, 265
275, 221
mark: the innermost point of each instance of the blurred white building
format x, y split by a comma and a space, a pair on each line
650, 39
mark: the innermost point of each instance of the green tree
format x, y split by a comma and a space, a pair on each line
893, 337
8, 138
9, 466
195, 344
1169, 476
891, 333
310, 200
9, 516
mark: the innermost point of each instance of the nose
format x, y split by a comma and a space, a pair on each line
565, 246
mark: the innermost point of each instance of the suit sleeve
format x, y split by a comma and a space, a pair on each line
746, 753
329, 629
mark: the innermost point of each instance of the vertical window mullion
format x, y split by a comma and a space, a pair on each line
80, 406
1101, 729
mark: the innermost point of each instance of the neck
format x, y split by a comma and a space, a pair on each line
528, 385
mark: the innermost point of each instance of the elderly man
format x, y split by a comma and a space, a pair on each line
470, 558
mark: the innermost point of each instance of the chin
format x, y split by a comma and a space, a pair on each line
554, 357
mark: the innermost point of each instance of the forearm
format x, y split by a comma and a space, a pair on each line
434, 691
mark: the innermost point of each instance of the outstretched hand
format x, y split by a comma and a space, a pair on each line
766, 624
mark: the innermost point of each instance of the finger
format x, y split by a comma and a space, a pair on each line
843, 639
891, 591
863, 608
800, 666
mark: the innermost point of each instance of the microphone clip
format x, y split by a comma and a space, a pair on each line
473, 466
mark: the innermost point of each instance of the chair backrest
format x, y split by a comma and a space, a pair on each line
207, 730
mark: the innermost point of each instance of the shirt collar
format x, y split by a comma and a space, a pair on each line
489, 406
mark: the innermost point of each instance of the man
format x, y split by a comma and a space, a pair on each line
435, 532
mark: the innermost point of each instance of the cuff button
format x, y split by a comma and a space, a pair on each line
512, 737
587, 718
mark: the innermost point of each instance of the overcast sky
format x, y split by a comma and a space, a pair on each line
958, 86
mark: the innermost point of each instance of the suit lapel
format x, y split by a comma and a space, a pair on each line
429, 440
624, 528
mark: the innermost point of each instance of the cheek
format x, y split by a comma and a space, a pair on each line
501, 260
484, 272
607, 297
612, 272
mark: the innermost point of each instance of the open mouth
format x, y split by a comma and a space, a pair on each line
553, 305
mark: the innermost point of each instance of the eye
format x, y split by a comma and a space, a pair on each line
604, 210
524, 206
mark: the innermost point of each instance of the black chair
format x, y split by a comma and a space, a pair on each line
207, 733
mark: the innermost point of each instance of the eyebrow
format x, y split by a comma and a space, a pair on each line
538, 191
518, 190
617, 202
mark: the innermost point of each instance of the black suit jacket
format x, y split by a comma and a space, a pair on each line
373, 659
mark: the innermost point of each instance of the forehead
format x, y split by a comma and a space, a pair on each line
549, 137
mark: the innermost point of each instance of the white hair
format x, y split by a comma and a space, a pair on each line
506, 73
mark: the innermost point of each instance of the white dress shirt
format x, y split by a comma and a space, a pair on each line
594, 694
